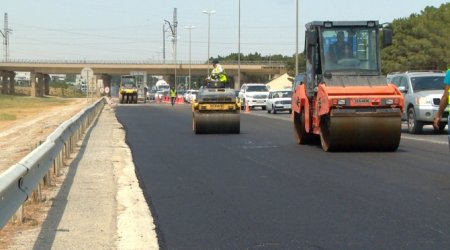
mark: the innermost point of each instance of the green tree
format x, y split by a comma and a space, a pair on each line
420, 42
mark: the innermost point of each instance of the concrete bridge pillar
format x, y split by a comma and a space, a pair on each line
46, 82
4, 75
12, 82
39, 84
33, 91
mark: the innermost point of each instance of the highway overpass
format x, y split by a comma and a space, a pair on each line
40, 70
151, 67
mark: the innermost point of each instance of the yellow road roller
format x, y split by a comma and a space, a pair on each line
216, 111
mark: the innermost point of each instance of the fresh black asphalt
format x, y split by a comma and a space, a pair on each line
258, 189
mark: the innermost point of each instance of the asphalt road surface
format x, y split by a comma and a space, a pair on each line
258, 189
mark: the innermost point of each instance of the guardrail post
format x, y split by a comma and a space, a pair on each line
37, 194
18, 216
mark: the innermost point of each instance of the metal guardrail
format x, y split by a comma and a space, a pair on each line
19, 181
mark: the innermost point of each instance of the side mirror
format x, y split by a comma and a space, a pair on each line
387, 37
312, 37
402, 89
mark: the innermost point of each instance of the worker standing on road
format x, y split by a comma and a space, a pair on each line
445, 100
218, 74
173, 95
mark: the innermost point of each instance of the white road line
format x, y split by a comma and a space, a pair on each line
424, 140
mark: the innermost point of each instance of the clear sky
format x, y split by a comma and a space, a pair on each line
133, 29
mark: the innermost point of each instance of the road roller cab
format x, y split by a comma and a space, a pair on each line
342, 97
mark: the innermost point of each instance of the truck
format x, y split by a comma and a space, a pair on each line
346, 102
161, 89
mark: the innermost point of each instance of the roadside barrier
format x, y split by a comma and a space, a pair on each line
24, 179
180, 100
166, 99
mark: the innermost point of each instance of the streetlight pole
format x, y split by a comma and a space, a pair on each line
239, 45
190, 62
209, 13
296, 39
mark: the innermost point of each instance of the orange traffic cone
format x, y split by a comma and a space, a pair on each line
247, 108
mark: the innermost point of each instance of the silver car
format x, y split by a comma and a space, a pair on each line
279, 100
422, 92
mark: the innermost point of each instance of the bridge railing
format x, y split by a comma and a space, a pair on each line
138, 62
18, 183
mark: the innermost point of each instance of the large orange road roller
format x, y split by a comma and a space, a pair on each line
342, 97
216, 111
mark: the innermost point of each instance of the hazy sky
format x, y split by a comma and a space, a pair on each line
133, 29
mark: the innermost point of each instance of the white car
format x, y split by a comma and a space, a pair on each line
279, 100
253, 95
190, 95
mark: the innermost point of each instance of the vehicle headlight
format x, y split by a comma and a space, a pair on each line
424, 101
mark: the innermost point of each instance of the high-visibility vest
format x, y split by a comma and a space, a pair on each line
220, 72
173, 93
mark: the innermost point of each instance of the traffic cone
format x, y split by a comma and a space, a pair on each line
247, 108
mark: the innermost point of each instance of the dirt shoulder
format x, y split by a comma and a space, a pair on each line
33, 124
72, 215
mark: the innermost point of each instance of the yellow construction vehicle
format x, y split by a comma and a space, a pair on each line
216, 110
128, 92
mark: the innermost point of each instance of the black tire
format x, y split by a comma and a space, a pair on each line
264, 108
301, 136
325, 134
414, 126
290, 111
269, 111
274, 110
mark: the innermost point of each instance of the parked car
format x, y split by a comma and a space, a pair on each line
422, 93
279, 100
253, 95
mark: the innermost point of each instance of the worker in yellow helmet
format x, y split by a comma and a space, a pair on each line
218, 75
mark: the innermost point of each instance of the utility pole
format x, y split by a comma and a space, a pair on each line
239, 46
209, 13
164, 43
190, 48
5, 33
296, 38
173, 29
